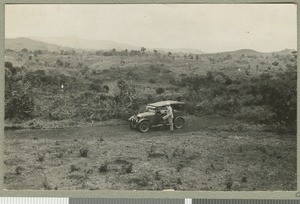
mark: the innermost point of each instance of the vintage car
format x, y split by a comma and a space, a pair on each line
153, 116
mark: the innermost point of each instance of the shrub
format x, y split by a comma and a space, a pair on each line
83, 152
59, 62
19, 170
96, 87
19, 104
8, 64
41, 157
36, 52
60, 155
126, 167
244, 179
74, 168
103, 168
106, 88
160, 90
152, 81
142, 181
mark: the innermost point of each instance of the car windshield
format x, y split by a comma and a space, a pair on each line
150, 109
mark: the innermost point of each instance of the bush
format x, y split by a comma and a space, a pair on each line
96, 87
103, 168
37, 52
160, 90
83, 152
8, 65
41, 157
19, 170
59, 62
106, 88
19, 102
74, 168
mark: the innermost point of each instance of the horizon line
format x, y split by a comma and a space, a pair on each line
157, 48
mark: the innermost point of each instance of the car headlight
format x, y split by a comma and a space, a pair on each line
133, 119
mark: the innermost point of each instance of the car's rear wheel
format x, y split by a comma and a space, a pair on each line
179, 123
144, 126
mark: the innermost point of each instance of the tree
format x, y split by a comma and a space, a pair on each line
126, 93
143, 50
8, 65
126, 101
19, 98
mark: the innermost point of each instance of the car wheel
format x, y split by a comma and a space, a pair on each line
144, 126
179, 122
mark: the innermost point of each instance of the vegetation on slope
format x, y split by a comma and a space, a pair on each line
103, 85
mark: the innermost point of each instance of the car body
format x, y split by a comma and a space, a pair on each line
153, 116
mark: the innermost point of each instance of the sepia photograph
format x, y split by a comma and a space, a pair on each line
150, 97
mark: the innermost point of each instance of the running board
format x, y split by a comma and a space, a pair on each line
160, 125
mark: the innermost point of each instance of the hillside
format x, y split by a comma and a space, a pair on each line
81, 43
19, 44
242, 52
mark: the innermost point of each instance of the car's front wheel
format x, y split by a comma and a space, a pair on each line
179, 123
144, 126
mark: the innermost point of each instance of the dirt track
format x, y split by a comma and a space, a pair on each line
208, 154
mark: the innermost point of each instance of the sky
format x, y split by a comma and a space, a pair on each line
207, 27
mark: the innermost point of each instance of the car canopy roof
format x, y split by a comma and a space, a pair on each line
164, 103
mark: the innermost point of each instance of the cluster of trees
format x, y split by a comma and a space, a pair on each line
143, 51
125, 52
19, 97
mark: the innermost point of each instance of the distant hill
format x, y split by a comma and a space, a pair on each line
241, 52
285, 51
80, 43
76, 42
253, 52
18, 44
68, 43
181, 50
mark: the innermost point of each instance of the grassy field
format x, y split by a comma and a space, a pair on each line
209, 154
